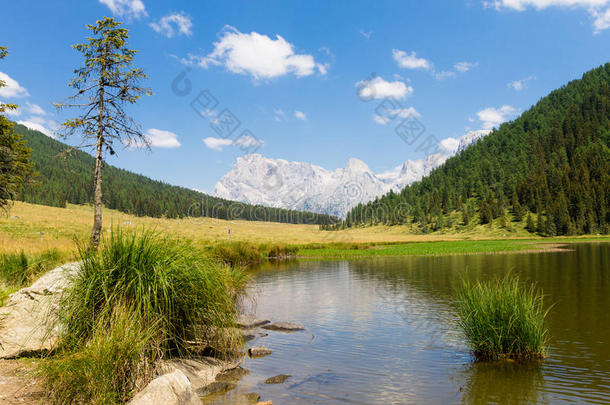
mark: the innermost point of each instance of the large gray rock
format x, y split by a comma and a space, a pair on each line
28, 321
200, 372
169, 389
182, 381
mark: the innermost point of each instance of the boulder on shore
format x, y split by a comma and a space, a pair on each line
28, 321
169, 389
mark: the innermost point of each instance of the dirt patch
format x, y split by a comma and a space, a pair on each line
18, 384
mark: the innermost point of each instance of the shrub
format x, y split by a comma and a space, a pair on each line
502, 319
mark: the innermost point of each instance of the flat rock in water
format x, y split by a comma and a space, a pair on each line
169, 389
259, 351
232, 375
217, 387
284, 326
28, 319
249, 322
265, 403
278, 379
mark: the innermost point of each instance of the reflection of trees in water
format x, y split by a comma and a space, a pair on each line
504, 382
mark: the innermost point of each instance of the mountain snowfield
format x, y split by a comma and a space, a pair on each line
303, 186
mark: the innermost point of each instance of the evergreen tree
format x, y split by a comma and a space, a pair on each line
15, 166
104, 86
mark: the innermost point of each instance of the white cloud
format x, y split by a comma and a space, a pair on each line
445, 74
366, 34
244, 142
162, 139
602, 20
11, 87
380, 120
247, 142
379, 88
47, 127
126, 8
259, 56
598, 9
300, 115
492, 117
410, 60
393, 113
172, 24
465, 66
217, 143
520, 84
34, 109
405, 112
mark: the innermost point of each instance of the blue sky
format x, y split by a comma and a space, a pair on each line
305, 78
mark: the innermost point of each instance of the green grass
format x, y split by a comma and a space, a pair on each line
18, 270
418, 248
359, 250
140, 298
502, 319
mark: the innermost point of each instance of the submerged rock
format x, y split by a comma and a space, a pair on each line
217, 387
252, 397
284, 326
232, 375
169, 389
249, 322
28, 320
278, 379
259, 351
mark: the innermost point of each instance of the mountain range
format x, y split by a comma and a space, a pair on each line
255, 179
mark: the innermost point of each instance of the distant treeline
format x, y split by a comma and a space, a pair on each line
553, 161
67, 179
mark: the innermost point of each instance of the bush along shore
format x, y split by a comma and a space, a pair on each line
138, 300
503, 319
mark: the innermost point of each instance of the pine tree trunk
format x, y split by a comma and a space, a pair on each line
97, 178
97, 197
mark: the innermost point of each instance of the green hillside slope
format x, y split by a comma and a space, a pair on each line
69, 179
550, 168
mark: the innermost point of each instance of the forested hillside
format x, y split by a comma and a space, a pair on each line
69, 179
549, 168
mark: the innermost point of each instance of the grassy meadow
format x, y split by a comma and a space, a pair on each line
35, 229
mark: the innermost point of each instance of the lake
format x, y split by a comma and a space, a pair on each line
384, 331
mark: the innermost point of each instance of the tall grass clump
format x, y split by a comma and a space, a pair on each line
138, 299
237, 253
502, 319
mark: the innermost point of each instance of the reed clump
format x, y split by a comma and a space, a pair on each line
139, 298
503, 319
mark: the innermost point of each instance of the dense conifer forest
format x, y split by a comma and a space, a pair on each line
64, 179
549, 168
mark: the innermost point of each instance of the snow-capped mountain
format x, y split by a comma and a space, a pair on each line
302, 186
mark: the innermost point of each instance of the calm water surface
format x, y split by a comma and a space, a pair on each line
383, 331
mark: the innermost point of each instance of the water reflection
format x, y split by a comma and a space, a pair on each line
384, 331
504, 382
